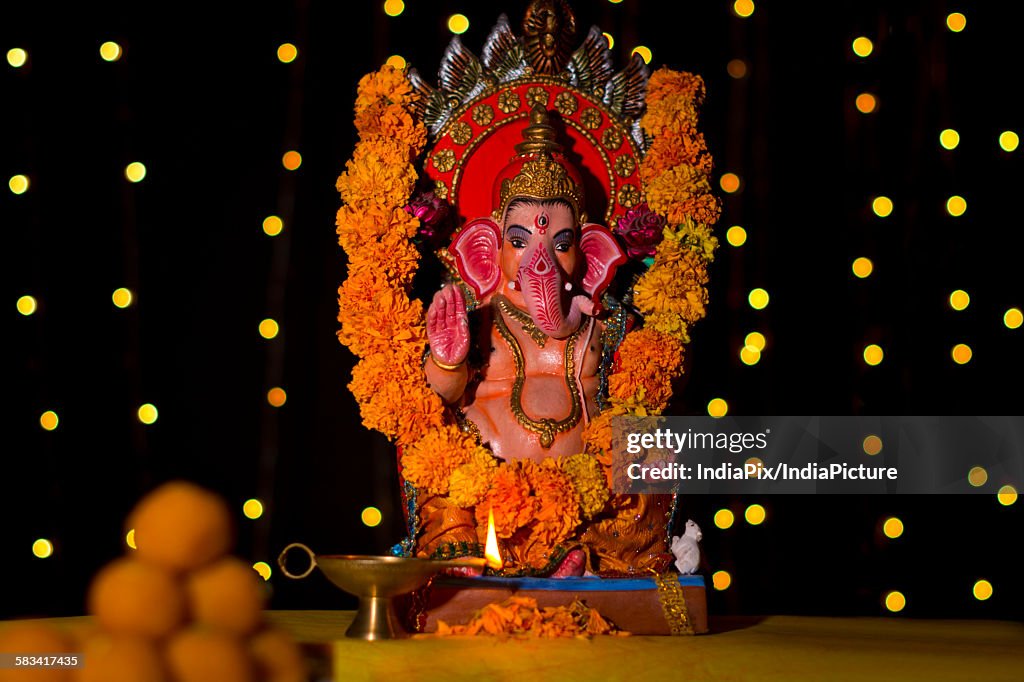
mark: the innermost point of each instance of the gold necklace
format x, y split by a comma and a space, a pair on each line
539, 337
546, 428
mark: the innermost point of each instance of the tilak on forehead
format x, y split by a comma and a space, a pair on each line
541, 222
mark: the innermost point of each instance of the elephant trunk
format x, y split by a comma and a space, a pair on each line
554, 310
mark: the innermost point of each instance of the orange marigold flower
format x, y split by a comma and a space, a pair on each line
683, 192
666, 83
429, 462
392, 121
558, 507
672, 148
675, 285
393, 397
509, 498
372, 179
470, 482
648, 362
388, 83
376, 317
588, 480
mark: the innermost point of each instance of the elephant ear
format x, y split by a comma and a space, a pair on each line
603, 258
475, 248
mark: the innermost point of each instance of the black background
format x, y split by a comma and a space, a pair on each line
200, 97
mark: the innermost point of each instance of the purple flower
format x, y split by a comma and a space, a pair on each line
432, 212
640, 230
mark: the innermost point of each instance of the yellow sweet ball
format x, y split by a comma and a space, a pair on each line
181, 526
227, 595
208, 656
278, 658
121, 658
132, 597
23, 638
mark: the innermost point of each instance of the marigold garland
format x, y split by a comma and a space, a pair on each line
535, 503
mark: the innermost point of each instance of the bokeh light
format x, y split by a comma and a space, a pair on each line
743, 8
1008, 141
291, 160
393, 8
862, 46
956, 22
148, 413
717, 407
949, 138
644, 52
758, 299
736, 236
129, 539
882, 206
863, 267
873, 354
959, 299
737, 68
18, 184
269, 328
286, 53
1007, 495
893, 527
750, 355
122, 297
397, 61
371, 517
27, 305
49, 420
17, 57
962, 353
277, 396
956, 205
865, 103
458, 23
252, 508
724, 518
872, 445
730, 183
755, 515
721, 580
610, 38
895, 601
272, 225
263, 568
982, 590
1013, 318
977, 476
42, 548
755, 340
110, 51
135, 171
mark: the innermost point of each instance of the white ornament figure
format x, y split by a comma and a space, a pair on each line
686, 549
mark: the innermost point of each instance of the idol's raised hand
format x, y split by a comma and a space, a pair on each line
448, 327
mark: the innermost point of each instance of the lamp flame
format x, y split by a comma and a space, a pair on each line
491, 551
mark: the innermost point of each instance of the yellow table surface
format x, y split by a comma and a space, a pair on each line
769, 649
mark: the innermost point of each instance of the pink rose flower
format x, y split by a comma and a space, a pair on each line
641, 231
432, 212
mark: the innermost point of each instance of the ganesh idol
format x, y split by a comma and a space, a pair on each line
572, 264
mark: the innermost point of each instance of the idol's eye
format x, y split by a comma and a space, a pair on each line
517, 236
564, 240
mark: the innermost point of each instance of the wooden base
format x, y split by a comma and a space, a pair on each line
631, 603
